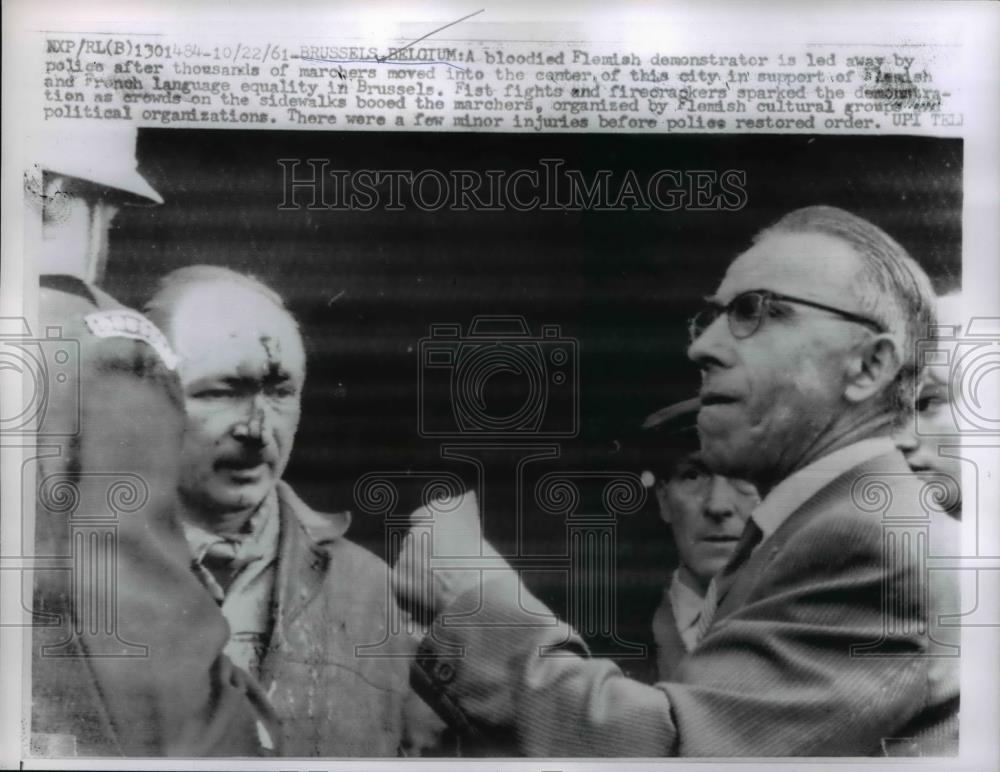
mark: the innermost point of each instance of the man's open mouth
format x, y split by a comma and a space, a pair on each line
243, 469
713, 398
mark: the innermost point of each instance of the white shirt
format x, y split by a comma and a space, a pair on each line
686, 605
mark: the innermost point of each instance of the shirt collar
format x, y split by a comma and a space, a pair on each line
256, 531
685, 602
796, 489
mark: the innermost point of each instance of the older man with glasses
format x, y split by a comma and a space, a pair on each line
821, 635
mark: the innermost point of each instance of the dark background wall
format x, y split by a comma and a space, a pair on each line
365, 286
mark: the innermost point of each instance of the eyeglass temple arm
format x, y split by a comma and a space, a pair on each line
840, 312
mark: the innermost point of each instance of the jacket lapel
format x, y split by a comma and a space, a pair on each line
740, 586
746, 548
300, 572
303, 560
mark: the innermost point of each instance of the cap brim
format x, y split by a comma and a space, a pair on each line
130, 185
99, 155
143, 191
676, 418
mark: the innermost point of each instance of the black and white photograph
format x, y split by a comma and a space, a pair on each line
443, 442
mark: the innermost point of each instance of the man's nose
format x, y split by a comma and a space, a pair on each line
719, 505
708, 348
252, 426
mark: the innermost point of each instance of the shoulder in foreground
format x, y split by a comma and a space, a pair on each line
871, 503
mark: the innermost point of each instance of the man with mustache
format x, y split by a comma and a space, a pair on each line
302, 600
822, 635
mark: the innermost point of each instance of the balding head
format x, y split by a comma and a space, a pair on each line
172, 288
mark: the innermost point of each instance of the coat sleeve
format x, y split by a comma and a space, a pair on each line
522, 683
778, 677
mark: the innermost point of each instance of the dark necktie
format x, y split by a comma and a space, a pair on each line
723, 581
220, 561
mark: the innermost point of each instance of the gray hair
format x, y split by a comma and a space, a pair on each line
891, 287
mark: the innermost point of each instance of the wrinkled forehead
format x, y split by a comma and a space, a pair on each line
229, 331
812, 266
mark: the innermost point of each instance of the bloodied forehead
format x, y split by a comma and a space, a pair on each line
225, 330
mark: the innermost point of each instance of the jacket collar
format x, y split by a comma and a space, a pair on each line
795, 490
319, 527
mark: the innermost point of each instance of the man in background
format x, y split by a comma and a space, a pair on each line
931, 439
109, 444
706, 514
303, 601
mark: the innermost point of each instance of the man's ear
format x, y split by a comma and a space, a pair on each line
660, 489
874, 366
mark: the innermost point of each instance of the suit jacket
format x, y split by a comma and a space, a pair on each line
153, 681
337, 668
827, 645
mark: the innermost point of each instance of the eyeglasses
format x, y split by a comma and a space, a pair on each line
746, 312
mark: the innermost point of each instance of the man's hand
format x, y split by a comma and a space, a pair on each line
444, 556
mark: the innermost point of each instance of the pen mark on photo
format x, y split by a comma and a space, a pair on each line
388, 58
396, 51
